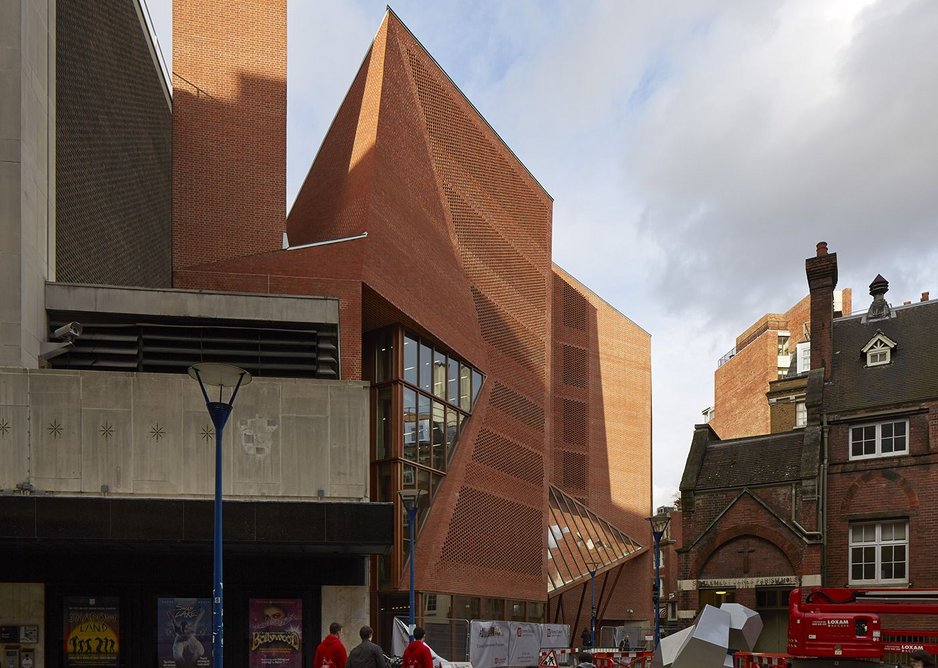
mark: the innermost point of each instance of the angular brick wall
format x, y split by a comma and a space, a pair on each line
229, 128
601, 451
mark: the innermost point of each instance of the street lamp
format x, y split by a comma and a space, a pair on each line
220, 376
659, 524
410, 498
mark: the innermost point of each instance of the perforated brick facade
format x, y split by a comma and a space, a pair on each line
458, 250
113, 150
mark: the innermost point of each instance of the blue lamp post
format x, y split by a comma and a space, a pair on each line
220, 376
409, 499
659, 524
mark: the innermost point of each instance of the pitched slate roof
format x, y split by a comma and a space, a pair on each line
756, 460
911, 376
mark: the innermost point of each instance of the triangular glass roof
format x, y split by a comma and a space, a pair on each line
579, 540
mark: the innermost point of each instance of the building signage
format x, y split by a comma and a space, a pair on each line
275, 633
739, 583
184, 633
525, 647
92, 632
488, 644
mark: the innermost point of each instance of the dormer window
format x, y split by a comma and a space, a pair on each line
879, 350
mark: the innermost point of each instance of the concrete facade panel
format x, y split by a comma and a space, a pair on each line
55, 427
106, 451
99, 432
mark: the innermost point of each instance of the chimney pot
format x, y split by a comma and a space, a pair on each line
924, 296
821, 248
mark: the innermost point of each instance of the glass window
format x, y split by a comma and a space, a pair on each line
410, 425
465, 387
516, 611
535, 611
423, 429
493, 608
410, 360
466, 607
384, 357
801, 414
879, 552
426, 368
452, 432
883, 439
383, 422
439, 437
452, 381
803, 351
410, 477
383, 484
476, 385
782, 344
439, 374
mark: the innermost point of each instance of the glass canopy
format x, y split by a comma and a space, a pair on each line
580, 541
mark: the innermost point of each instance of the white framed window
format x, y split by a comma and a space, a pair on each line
801, 414
803, 350
879, 354
879, 439
879, 350
879, 552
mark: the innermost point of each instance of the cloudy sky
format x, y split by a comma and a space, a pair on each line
696, 151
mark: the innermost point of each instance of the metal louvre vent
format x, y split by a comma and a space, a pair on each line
167, 346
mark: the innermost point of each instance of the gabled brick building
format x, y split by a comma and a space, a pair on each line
841, 501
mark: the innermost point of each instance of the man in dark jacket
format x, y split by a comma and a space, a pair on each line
367, 654
331, 651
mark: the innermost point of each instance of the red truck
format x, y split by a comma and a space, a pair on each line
842, 624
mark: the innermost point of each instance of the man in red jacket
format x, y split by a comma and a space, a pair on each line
331, 651
417, 654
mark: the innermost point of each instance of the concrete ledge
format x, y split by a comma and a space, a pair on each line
71, 297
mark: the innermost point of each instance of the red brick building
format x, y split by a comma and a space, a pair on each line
839, 501
405, 325
764, 353
497, 377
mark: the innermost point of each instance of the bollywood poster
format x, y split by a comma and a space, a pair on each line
92, 632
275, 633
184, 637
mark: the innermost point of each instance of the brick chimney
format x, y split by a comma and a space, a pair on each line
229, 128
822, 279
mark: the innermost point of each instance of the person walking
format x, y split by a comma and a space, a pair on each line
587, 638
417, 654
331, 651
367, 654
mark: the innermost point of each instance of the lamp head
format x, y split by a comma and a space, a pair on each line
410, 496
659, 523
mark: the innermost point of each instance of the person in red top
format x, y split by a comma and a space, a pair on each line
417, 654
331, 651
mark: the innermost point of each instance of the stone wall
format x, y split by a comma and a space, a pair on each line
96, 432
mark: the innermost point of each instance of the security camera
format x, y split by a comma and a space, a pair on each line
68, 332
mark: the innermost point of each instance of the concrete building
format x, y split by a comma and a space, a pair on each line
405, 324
